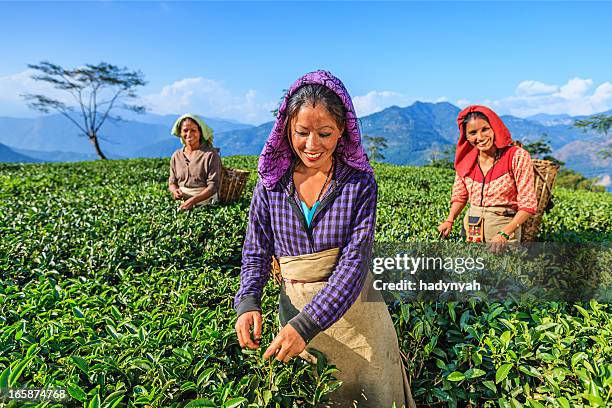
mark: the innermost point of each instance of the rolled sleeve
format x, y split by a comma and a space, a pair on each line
522, 169
213, 178
256, 254
172, 179
347, 280
460, 192
305, 326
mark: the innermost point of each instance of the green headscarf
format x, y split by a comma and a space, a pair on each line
207, 133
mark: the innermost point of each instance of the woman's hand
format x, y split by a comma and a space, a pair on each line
187, 204
177, 194
445, 228
287, 344
498, 243
243, 329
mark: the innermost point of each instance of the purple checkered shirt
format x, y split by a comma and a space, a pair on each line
345, 219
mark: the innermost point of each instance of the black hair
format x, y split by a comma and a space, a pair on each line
474, 115
311, 95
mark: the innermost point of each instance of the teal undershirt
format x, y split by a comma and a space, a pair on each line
308, 213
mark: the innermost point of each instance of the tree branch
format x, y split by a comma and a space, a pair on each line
110, 106
81, 104
95, 104
75, 122
44, 104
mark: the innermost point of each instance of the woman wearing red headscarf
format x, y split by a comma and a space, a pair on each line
495, 177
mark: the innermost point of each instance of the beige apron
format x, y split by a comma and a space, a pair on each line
494, 221
189, 192
362, 344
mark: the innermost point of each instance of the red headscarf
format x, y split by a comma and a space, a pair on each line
466, 154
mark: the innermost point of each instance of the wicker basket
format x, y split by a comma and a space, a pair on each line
232, 184
545, 174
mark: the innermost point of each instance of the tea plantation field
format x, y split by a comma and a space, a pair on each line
110, 293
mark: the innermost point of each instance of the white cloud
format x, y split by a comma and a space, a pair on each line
603, 93
462, 103
576, 97
530, 88
209, 98
205, 96
575, 88
375, 101
13, 86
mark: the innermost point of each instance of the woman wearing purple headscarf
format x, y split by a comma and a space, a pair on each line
314, 213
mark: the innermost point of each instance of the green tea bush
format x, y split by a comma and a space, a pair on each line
110, 292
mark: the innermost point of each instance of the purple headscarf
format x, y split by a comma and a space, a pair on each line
276, 156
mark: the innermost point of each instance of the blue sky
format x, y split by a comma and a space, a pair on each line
232, 60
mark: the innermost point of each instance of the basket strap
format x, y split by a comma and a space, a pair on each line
544, 178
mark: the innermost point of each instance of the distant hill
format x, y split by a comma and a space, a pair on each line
163, 148
59, 156
218, 125
547, 119
582, 156
241, 141
49, 136
414, 131
558, 134
412, 134
561, 119
248, 141
8, 155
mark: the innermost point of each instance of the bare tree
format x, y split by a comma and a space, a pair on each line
97, 90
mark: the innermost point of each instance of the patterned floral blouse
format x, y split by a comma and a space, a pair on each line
509, 183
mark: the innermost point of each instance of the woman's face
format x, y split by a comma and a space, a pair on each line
314, 136
190, 133
480, 134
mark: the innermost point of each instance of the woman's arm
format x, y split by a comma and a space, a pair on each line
256, 264
459, 198
522, 171
519, 218
173, 180
205, 194
256, 254
447, 225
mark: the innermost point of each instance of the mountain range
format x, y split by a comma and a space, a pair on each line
54, 138
413, 134
10, 155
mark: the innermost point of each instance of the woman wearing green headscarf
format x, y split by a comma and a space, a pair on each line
195, 169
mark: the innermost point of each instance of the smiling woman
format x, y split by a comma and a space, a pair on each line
195, 169
314, 213
495, 177
315, 117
